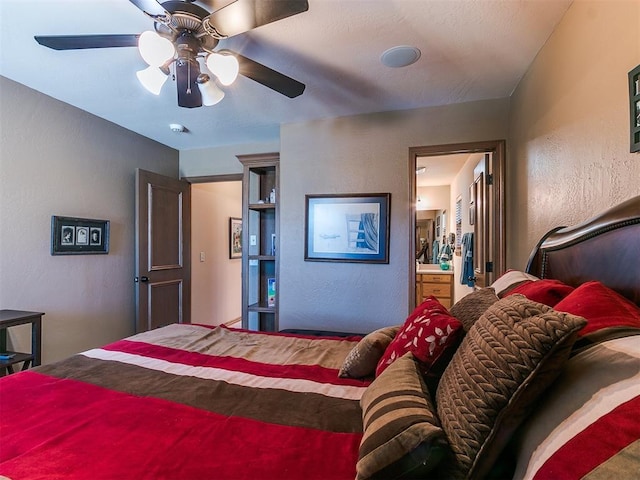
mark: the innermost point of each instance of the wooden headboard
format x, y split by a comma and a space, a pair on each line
605, 248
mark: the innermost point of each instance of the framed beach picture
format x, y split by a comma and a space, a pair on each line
347, 228
235, 237
79, 236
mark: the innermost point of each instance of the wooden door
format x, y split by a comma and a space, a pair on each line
488, 233
163, 251
479, 190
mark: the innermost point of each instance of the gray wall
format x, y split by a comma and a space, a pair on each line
361, 154
58, 160
223, 160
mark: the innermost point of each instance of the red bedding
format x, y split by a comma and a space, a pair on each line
186, 402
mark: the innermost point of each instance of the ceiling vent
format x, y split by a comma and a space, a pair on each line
400, 56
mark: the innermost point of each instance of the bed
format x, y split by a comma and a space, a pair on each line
557, 399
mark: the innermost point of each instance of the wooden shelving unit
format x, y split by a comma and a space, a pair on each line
260, 236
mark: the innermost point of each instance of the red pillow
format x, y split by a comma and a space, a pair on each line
427, 333
601, 306
546, 291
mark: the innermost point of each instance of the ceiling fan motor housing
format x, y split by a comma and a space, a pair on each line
186, 18
187, 46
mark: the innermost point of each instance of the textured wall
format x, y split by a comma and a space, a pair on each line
568, 147
58, 160
360, 154
220, 160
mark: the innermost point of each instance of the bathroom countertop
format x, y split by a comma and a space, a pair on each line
432, 268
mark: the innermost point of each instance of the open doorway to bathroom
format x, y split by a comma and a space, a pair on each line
457, 192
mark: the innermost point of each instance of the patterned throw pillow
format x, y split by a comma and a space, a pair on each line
429, 332
510, 355
402, 436
364, 357
469, 308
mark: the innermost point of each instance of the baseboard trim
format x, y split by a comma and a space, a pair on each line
233, 322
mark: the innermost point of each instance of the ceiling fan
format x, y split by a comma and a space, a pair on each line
185, 36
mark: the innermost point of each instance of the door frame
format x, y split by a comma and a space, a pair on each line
226, 177
496, 169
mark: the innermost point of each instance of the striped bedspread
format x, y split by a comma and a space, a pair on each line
186, 402
588, 425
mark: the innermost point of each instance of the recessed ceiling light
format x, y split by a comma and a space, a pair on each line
400, 56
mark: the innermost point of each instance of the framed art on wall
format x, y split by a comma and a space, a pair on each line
347, 228
235, 237
79, 236
634, 108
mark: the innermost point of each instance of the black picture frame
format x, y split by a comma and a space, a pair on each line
634, 109
347, 227
79, 236
235, 237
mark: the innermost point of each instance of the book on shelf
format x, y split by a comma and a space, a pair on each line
271, 292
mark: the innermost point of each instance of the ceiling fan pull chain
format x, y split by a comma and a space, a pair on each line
188, 78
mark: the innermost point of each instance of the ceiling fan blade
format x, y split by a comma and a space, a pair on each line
77, 42
149, 6
243, 15
268, 77
189, 95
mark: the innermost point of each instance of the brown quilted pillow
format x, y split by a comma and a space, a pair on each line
402, 436
510, 355
363, 358
469, 308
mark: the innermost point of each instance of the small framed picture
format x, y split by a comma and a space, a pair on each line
235, 237
68, 235
79, 236
95, 236
82, 235
634, 109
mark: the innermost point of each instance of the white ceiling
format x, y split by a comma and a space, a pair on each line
440, 170
471, 50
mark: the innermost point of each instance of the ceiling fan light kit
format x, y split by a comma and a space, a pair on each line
209, 91
225, 67
184, 34
152, 78
154, 49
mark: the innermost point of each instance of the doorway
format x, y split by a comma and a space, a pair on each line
462, 207
216, 277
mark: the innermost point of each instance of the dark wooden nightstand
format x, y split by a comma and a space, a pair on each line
12, 318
